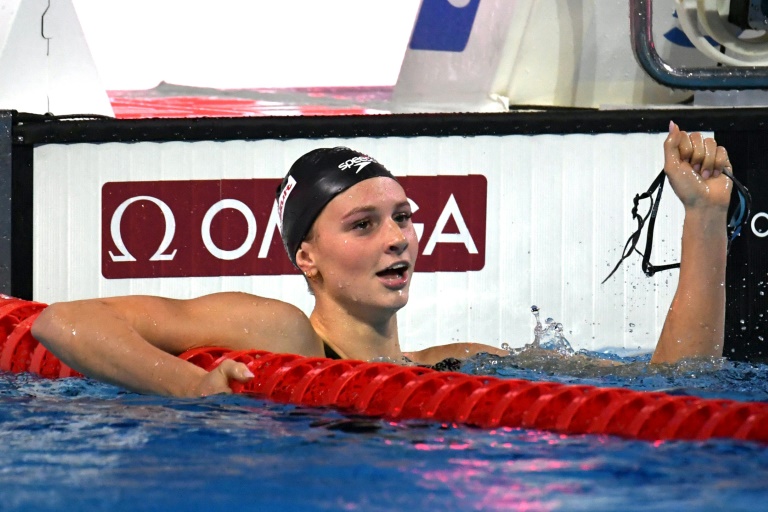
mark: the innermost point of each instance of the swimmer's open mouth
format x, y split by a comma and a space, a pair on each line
397, 270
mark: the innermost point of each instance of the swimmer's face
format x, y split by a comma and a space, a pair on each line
364, 247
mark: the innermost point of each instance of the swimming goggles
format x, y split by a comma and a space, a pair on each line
738, 220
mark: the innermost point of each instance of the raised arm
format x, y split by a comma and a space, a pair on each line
133, 341
695, 322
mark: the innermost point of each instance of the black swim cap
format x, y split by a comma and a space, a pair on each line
313, 180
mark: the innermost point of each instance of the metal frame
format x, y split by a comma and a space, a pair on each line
15, 210
719, 78
6, 186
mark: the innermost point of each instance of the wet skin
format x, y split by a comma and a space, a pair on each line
362, 249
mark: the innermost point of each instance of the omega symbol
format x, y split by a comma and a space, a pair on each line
117, 236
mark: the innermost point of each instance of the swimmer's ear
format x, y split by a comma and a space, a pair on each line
304, 259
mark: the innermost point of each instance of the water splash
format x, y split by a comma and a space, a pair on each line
546, 337
550, 336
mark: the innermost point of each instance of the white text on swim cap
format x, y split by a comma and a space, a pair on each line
283, 198
358, 161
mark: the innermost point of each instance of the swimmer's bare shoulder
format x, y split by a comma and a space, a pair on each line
242, 321
434, 355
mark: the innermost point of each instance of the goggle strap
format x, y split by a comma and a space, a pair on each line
739, 218
634, 238
658, 186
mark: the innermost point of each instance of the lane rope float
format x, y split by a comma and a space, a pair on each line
403, 392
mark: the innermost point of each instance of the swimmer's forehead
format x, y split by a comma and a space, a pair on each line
370, 194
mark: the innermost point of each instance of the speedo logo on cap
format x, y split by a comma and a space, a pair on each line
359, 161
283, 198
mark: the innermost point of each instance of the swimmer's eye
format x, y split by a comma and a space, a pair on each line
362, 224
403, 217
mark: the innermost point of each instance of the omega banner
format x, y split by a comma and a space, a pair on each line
152, 229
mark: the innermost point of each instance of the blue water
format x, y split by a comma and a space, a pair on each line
76, 444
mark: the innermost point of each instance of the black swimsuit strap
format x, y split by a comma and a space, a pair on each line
449, 364
329, 352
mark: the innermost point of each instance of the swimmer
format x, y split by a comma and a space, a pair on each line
346, 224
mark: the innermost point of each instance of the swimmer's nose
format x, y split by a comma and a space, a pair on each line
398, 241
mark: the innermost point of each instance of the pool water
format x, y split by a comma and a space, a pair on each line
77, 444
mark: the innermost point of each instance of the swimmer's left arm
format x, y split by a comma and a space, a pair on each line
434, 355
694, 326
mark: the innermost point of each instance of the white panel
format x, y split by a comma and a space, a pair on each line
45, 64
558, 215
457, 80
247, 43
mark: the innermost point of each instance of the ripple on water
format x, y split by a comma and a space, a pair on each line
710, 378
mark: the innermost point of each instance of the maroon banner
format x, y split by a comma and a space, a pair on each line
229, 227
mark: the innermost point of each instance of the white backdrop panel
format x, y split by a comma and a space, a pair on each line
557, 218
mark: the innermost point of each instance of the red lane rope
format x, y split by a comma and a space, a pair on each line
19, 351
402, 392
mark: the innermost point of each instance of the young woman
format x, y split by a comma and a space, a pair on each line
346, 224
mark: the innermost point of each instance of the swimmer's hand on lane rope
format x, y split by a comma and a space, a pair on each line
694, 166
217, 381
